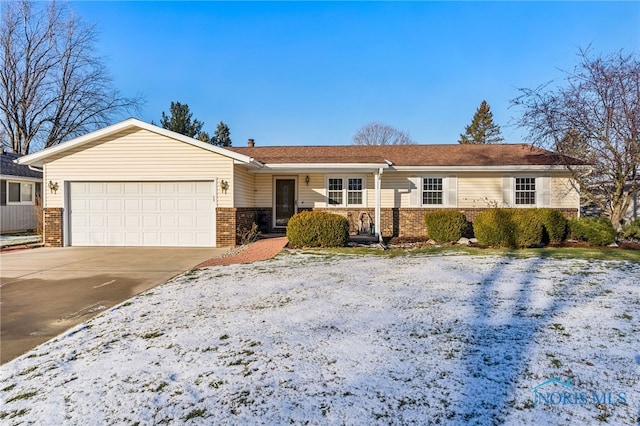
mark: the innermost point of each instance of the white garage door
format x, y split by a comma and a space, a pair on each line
142, 214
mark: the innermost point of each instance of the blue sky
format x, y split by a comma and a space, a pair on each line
312, 73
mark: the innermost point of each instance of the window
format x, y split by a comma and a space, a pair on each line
334, 194
525, 191
432, 191
354, 193
20, 192
346, 191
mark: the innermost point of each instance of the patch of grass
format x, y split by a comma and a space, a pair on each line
196, 413
160, 387
25, 395
13, 414
8, 388
152, 335
216, 384
28, 370
550, 252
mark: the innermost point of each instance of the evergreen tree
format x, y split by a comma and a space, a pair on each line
482, 129
204, 137
222, 135
180, 120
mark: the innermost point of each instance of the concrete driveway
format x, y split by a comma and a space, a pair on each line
45, 291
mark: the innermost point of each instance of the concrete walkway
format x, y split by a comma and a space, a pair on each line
259, 250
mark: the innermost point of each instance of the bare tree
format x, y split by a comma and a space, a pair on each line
376, 133
53, 86
592, 114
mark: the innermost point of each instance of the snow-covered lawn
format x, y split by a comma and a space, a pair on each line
321, 339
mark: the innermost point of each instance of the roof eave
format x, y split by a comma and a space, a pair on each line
500, 168
320, 167
38, 158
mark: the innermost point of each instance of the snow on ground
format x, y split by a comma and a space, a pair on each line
321, 339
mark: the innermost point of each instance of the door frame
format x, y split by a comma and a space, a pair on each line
295, 197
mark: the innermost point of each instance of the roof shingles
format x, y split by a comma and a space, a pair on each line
408, 155
9, 168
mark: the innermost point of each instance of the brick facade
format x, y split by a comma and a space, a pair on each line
232, 222
406, 222
53, 235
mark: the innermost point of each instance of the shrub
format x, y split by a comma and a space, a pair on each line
597, 231
631, 229
445, 226
318, 229
555, 224
528, 228
508, 228
495, 227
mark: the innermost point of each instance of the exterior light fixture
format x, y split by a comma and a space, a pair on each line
224, 185
53, 187
307, 180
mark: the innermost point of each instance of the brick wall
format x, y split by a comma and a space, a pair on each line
53, 227
406, 222
225, 227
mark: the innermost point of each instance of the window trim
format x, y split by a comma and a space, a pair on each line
22, 202
345, 190
535, 191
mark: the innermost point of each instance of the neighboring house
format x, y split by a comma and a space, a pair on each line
20, 191
136, 184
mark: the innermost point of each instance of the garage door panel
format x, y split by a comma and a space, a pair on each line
115, 222
114, 205
149, 205
131, 205
167, 205
114, 188
132, 188
142, 213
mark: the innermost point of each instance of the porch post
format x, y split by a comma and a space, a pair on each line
377, 185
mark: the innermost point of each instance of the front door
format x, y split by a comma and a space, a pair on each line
285, 201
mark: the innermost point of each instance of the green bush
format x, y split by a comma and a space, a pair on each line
445, 226
631, 229
528, 228
555, 224
597, 231
495, 227
516, 228
318, 229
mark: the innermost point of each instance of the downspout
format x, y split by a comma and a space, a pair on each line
377, 210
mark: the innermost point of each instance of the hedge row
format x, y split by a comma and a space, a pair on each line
497, 227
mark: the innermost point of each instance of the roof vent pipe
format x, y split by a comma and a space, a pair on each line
251, 143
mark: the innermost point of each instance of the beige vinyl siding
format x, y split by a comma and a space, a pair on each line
243, 187
563, 193
394, 190
311, 195
478, 190
263, 190
474, 189
137, 155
